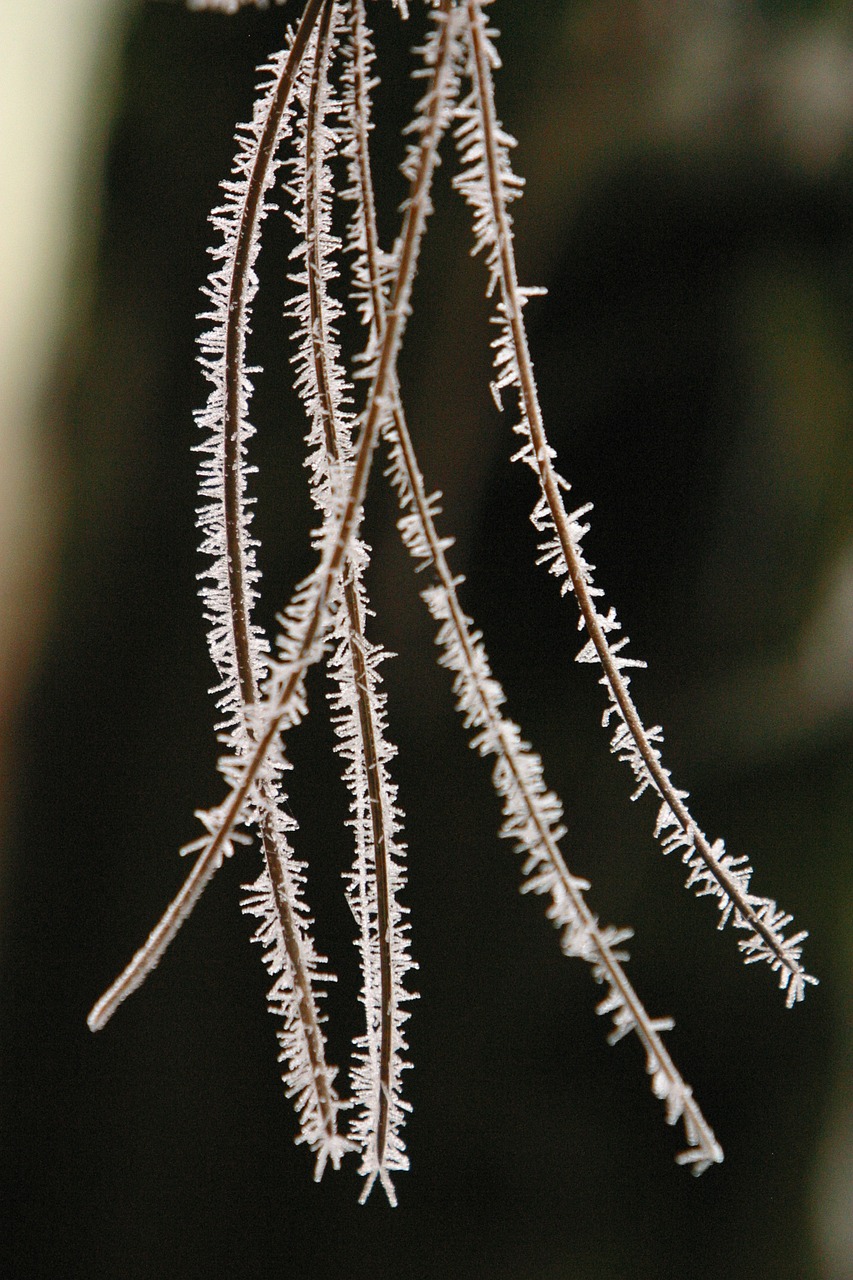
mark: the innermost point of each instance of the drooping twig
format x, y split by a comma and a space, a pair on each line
307, 618
488, 184
236, 648
532, 813
378, 876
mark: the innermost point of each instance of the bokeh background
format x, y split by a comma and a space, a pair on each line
690, 208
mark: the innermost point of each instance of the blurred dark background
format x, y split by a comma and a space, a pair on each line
689, 200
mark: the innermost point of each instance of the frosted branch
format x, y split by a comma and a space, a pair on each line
357, 703
532, 813
488, 185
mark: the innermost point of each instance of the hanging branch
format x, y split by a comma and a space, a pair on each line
307, 618
358, 705
237, 647
261, 692
532, 813
488, 184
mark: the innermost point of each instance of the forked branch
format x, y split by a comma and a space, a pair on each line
236, 646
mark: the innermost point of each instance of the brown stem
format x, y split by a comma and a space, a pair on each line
235, 329
202, 872
274, 856
282, 694
511, 296
699, 1131
355, 635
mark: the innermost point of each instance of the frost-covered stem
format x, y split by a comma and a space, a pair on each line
436, 104
366, 203
514, 756
233, 365
476, 680
793, 976
281, 697
380, 870
235, 339
332, 1145
242, 656
379, 806
275, 857
207, 863
156, 944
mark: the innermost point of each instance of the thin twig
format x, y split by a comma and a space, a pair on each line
480, 697
721, 875
371, 748
149, 955
282, 703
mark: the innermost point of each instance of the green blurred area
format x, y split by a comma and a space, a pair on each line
689, 194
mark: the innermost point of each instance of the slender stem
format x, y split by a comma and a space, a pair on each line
149, 955
507, 750
512, 304
235, 326
274, 856
283, 692
235, 330
355, 639
410, 240
700, 1134
367, 203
